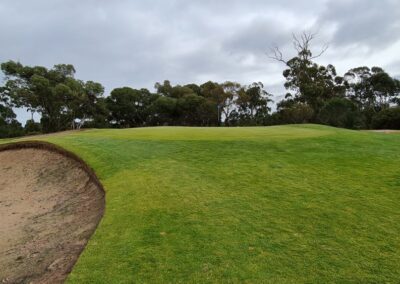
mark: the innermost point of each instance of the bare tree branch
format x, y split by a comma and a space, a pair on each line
301, 44
276, 54
297, 43
324, 48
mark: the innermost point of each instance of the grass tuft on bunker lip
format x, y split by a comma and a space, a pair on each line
289, 204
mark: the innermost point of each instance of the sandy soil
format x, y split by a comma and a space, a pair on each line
49, 208
386, 131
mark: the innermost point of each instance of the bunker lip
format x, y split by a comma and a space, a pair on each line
386, 131
50, 216
41, 145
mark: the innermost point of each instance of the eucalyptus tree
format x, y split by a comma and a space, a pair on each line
54, 93
306, 81
9, 126
129, 107
372, 90
372, 87
253, 104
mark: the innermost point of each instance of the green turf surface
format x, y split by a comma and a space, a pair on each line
286, 204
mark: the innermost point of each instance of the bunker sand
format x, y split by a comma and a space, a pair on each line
50, 204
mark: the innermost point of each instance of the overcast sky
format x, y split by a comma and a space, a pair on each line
137, 43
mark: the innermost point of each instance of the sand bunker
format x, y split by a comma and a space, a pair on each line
50, 204
386, 131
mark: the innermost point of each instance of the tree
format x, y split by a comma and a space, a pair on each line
54, 93
223, 96
9, 126
129, 107
306, 81
164, 89
214, 93
340, 112
371, 89
195, 110
89, 105
295, 112
387, 119
188, 108
163, 111
230, 94
195, 88
252, 104
32, 127
186, 105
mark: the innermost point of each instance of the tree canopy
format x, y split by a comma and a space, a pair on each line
54, 93
362, 98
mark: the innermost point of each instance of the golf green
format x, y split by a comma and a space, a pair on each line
286, 204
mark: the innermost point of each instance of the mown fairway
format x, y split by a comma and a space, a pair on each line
273, 204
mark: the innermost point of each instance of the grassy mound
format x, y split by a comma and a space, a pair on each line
278, 204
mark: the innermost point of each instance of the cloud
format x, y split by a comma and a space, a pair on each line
137, 43
360, 23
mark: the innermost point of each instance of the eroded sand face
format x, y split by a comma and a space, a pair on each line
49, 208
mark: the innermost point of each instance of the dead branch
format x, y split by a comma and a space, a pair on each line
300, 43
276, 54
324, 48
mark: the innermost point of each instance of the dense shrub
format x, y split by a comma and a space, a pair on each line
387, 119
8, 130
340, 112
296, 113
9, 126
32, 127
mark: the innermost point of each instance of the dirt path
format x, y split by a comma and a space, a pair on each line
49, 208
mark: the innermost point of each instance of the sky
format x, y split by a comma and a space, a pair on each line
137, 43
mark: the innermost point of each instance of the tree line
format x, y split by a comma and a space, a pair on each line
363, 98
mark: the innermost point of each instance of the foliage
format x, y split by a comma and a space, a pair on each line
9, 126
252, 105
315, 94
307, 82
164, 111
129, 107
312, 84
295, 113
387, 119
210, 104
372, 90
32, 127
340, 112
54, 93
194, 110
320, 88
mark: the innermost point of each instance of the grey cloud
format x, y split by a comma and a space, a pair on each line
360, 23
257, 36
137, 43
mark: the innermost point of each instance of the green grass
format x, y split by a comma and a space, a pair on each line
287, 204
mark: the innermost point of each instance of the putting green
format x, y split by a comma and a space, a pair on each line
288, 204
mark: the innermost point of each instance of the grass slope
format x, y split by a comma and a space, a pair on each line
273, 204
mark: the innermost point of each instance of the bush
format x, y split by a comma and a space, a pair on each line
8, 130
296, 113
32, 127
387, 119
340, 112
9, 126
